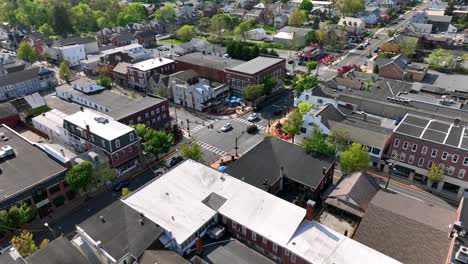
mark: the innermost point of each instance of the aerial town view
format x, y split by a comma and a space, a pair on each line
233, 131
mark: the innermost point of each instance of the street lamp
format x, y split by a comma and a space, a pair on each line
236, 147
51, 230
391, 164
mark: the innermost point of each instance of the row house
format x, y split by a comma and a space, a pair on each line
419, 143
139, 73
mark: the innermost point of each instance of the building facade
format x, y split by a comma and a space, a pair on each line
139, 73
25, 82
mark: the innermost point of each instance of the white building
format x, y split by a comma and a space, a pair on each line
256, 34
352, 24
51, 124
72, 53
316, 97
197, 96
86, 85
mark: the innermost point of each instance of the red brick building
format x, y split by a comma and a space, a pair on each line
401, 68
9, 115
123, 39
146, 38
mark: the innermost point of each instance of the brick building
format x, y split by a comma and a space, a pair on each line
88, 129
419, 142
256, 71
209, 67
123, 39
140, 72
401, 68
146, 38
9, 115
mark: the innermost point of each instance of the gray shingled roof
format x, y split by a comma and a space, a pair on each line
59, 251
256, 65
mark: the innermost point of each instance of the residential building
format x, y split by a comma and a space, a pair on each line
353, 80
210, 67
396, 224
275, 165
256, 71
58, 251
195, 45
123, 39
120, 74
37, 41
291, 36
199, 95
71, 53
419, 143
140, 72
25, 80
458, 242
256, 34
353, 194
146, 38
152, 111
90, 45
88, 129
196, 197
51, 124
401, 68
117, 234
9, 115
352, 24
33, 176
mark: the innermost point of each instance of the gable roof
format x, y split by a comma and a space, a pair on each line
59, 251
264, 161
121, 224
329, 112
124, 36
406, 229
162, 257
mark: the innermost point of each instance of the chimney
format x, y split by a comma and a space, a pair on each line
62, 152
198, 246
102, 219
81, 109
310, 210
456, 121
324, 171
364, 116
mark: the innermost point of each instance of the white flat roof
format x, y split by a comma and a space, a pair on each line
123, 49
284, 35
320, 244
150, 64
51, 119
110, 130
174, 201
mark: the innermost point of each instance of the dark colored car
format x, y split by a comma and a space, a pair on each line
277, 112
121, 185
252, 129
290, 62
173, 161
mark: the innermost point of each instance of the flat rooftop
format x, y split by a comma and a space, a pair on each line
52, 119
150, 64
109, 130
207, 60
28, 167
83, 82
432, 130
256, 65
233, 252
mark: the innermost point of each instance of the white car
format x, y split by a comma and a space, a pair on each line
226, 127
252, 117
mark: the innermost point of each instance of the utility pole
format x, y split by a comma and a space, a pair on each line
391, 165
236, 147
188, 127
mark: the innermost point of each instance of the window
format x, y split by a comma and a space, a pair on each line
450, 170
130, 122
455, 158
254, 236
405, 145
234, 225
139, 119
424, 150
465, 161
103, 143
224, 219
117, 143
146, 115
275, 247
163, 108
375, 151
264, 240
286, 252
429, 164
402, 156
293, 258
244, 230
411, 159
394, 154
157, 110
444, 155
441, 166
396, 143
434, 153
461, 174
132, 137
152, 112
414, 147
420, 162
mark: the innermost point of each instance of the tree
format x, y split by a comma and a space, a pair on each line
204, 23
136, 10
157, 142
81, 176
306, 5
268, 85
61, 21
306, 83
165, 13
304, 107
192, 151
311, 37
440, 59
47, 30
408, 46
105, 81
242, 29
141, 130
186, 33
391, 32
293, 125
218, 25
26, 52
376, 69
253, 91
25, 244
436, 174
311, 65
125, 193
83, 19
356, 158
339, 138
25, 214
64, 71
450, 8
351, 7
297, 18
318, 143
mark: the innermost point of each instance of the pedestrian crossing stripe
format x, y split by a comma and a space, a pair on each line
249, 123
211, 148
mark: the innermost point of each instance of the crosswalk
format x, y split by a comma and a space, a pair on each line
211, 148
240, 120
200, 126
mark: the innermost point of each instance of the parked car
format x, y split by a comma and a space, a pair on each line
290, 62
173, 161
277, 112
252, 129
366, 44
226, 127
121, 185
360, 47
377, 50
252, 117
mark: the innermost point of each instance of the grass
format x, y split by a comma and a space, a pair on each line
271, 30
38, 111
173, 41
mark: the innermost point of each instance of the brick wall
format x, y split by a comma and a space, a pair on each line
391, 71
155, 112
213, 74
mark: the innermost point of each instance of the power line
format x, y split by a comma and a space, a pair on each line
22, 229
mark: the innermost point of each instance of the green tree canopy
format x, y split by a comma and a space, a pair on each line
47, 30
339, 138
306, 83
268, 85
81, 176
186, 33
306, 5
105, 81
304, 107
253, 91
83, 18
408, 46
436, 174
297, 18
293, 125
356, 158
351, 7
312, 65
192, 151
165, 13
157, 142
311, 37
318, 143
242, 29
25, 244
26, 52
440, 59
64, 71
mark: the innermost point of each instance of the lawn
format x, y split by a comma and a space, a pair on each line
271, 30
173, 41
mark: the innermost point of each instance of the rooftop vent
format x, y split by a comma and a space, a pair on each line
102, 219
101, 120
6, 151
3, 137
462, 254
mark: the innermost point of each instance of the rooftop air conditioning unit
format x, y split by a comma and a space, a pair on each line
6, 151
462, 254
